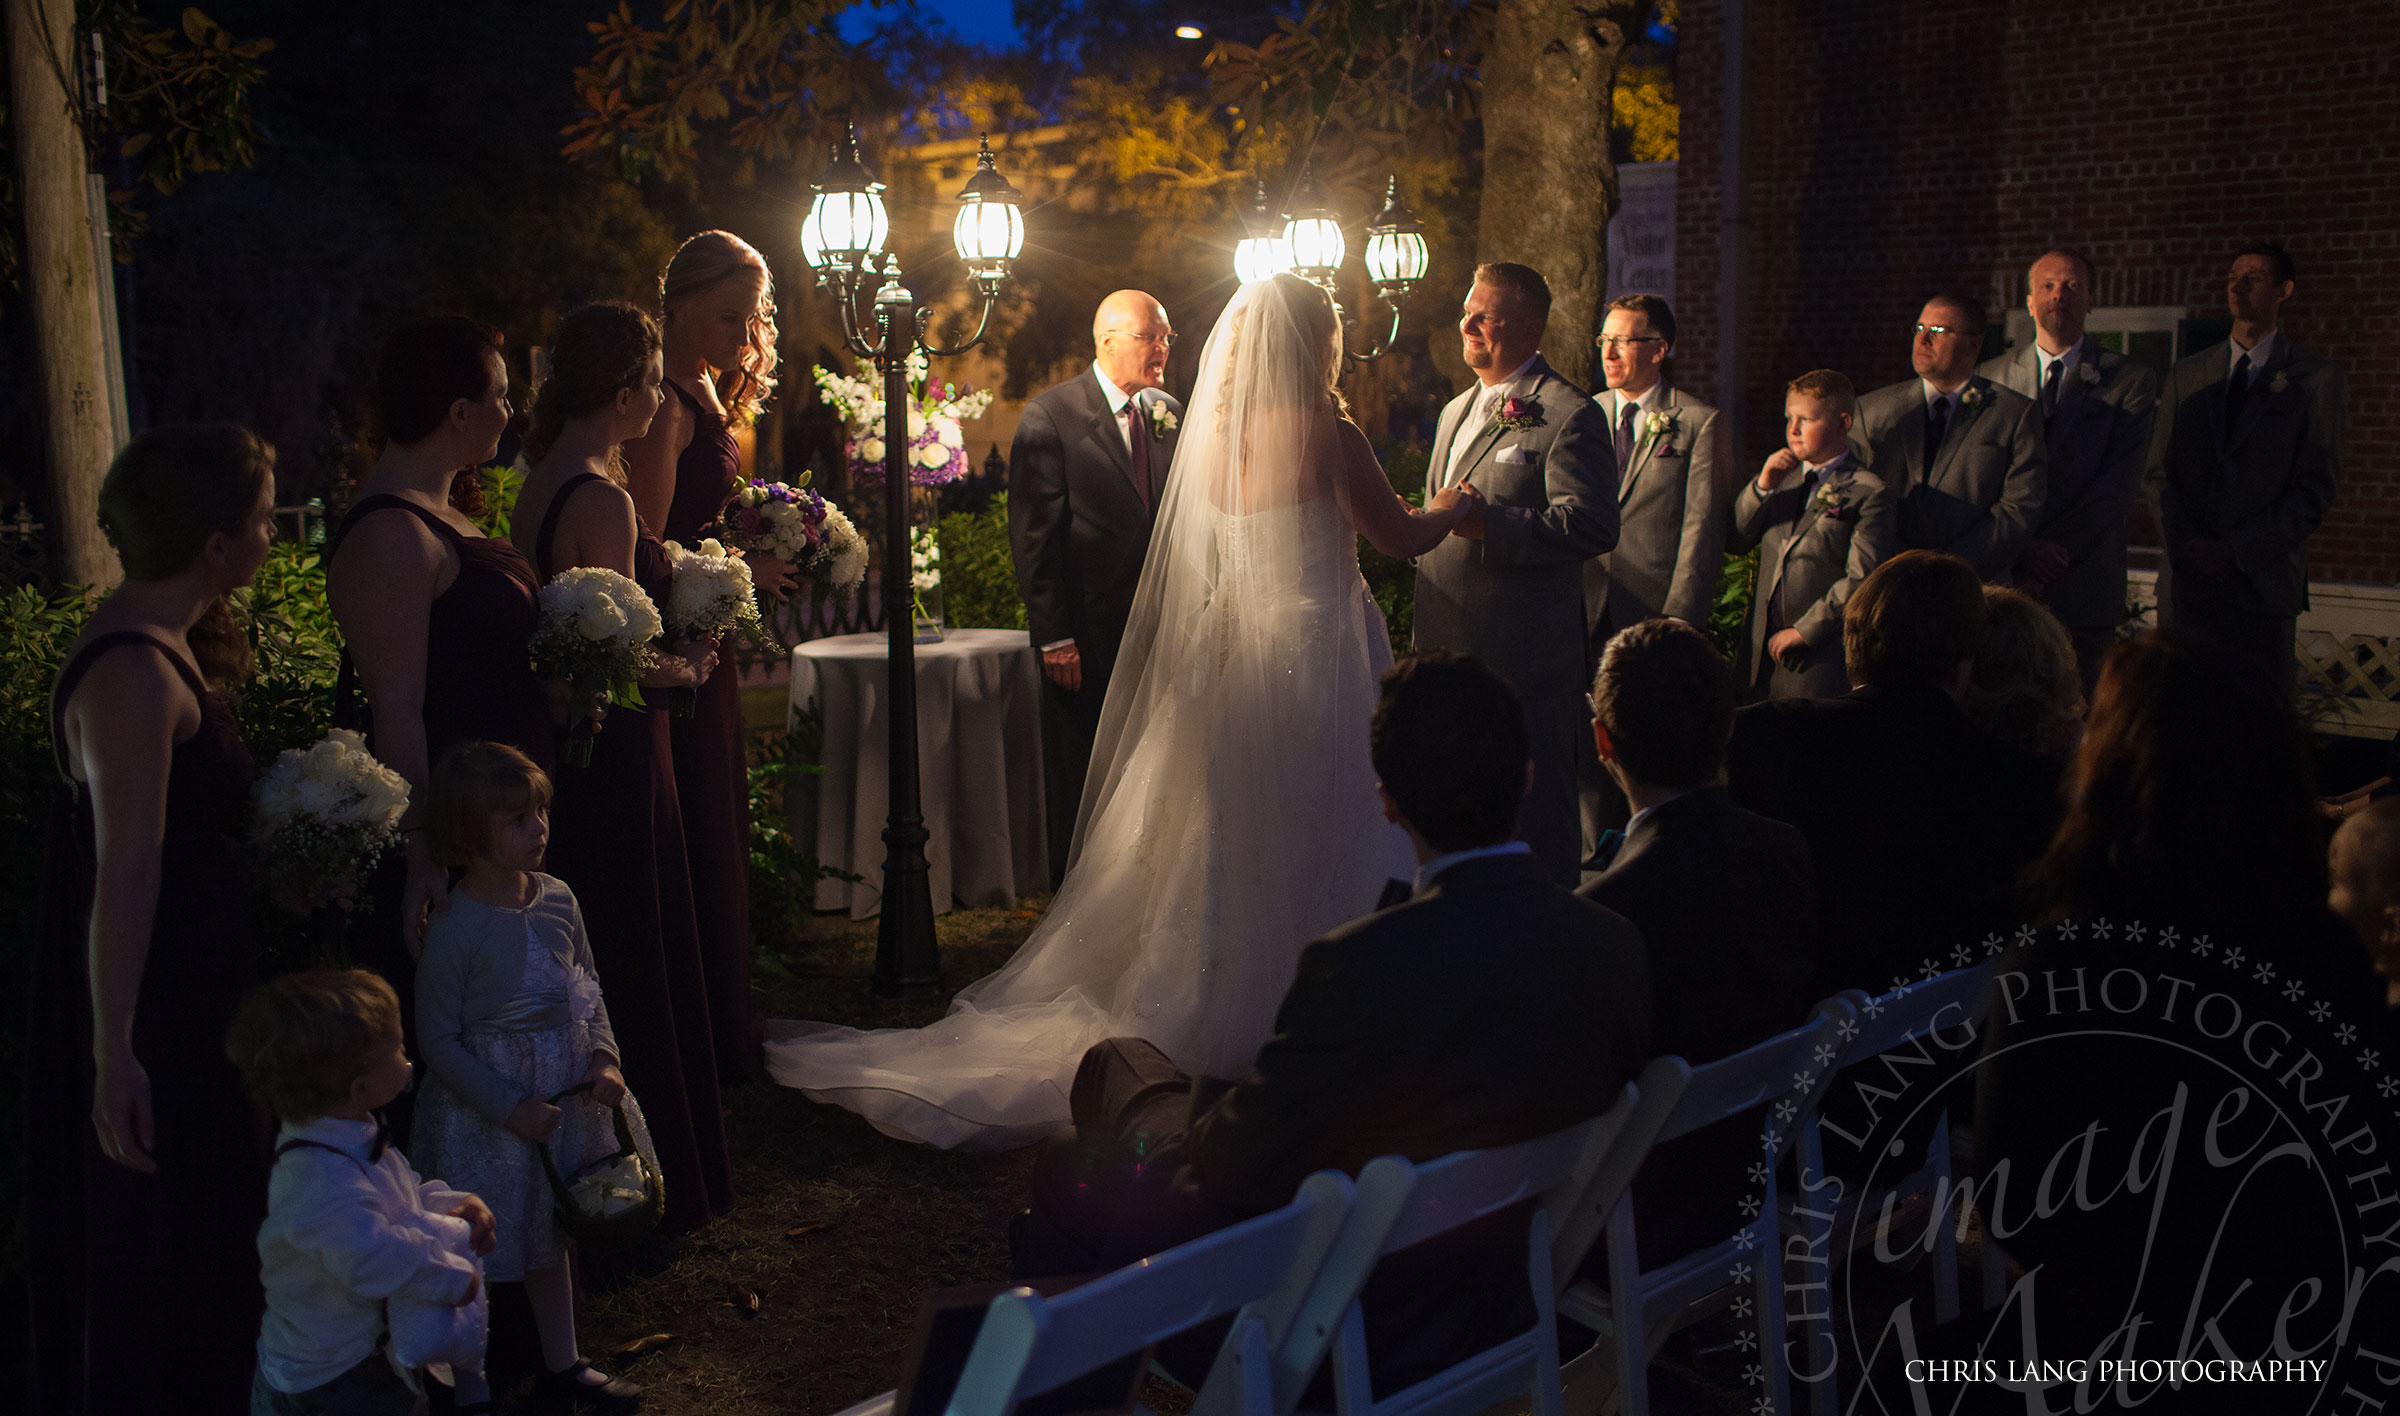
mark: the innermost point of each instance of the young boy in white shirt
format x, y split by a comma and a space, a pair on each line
349, 1224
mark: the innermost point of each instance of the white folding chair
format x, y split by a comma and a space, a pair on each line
1259, 1270
1638, 1310
1898, 1025
1400, 1206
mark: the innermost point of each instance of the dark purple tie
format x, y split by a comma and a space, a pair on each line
2237, 392
1139, 448
1625, 437
2050, 382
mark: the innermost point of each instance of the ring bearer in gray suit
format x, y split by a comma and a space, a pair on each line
1822, 525
2243, 465
2096, 407
1508, 584
1674, 480
1962, 456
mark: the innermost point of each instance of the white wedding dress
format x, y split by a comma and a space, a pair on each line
1230, 814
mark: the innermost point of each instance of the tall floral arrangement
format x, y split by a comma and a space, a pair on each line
937, 445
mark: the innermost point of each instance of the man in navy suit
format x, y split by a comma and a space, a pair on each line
1084, 482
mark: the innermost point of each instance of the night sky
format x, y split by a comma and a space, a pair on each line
986, 22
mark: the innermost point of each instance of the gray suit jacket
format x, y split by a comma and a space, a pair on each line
1671, 499
2096, 441
1815, 547
2263, 489
1515, 598
1984, 492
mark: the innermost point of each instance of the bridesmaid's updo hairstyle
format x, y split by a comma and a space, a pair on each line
600, 351
428, 365
169, 491
299, 1041
474, 782
704, 262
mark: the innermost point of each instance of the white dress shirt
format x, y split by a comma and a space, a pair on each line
2043, 359
1434, 867
1482, 411
1934, 395
343, 1234
1117, 399
1647, 401
2258, 353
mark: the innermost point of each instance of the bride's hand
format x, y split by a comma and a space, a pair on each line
1451, 504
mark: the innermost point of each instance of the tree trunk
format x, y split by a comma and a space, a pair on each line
1549, 183
62, 282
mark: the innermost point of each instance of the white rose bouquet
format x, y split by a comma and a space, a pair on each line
595, 632
712, 596
798, 527
325, 815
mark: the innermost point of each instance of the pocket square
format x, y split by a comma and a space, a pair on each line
1519, 455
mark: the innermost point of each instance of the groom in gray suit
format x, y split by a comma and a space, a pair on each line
2096, 406
1508, 585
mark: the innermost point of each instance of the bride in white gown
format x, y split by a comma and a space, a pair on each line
1230, 815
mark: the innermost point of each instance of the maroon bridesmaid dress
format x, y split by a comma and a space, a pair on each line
145, 1289
617, 839
713, 772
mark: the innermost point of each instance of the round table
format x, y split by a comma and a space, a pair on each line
979, 754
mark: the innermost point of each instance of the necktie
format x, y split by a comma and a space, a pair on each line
1625, 437
1937, 427
1137, 429
2237, 392
2050, 383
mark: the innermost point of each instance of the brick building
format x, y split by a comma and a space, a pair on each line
1842, 158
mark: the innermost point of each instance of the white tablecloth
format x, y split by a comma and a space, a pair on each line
979, 754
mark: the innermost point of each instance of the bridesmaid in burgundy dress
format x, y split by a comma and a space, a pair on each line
719, 334
617, 834
437, 618
145, 1169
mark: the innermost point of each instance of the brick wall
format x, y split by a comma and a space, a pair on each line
1893, 146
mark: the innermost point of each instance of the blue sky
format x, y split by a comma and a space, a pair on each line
985, 22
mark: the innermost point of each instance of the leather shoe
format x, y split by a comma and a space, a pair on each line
570, 1391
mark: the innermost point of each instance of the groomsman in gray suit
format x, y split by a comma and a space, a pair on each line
2243, 465
1673, 471
1961, 456
2096, 407
1508, 585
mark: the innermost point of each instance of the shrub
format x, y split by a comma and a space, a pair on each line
783, 878
979, 577
1726, 623
288, 699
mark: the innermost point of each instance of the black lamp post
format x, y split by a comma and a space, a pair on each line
843, 238
1311, 246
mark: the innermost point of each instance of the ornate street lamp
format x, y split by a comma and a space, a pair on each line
1311, 246
843, 239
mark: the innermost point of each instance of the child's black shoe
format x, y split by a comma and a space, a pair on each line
581, 1388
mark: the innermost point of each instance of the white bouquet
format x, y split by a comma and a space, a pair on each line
712, 593
595, 632
325, 815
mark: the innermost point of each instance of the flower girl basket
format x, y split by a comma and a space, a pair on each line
611, 1202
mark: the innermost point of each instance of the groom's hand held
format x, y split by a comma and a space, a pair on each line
1470, 526
1063, 666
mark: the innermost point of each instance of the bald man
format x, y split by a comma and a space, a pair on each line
1084, 479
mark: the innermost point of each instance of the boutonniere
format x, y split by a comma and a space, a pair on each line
2087, 374
1518, 411
1661, 424
1972, 396
1832, 503
2279, 383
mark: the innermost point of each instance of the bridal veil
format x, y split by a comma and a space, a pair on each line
1230, 812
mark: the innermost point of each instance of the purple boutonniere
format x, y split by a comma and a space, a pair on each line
1517, 411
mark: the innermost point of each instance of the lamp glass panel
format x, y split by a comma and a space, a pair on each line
850, 223
1259, 258
1396, 257
1316, 243
985, 232
812, 234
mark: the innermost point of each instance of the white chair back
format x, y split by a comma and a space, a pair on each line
1029, 1344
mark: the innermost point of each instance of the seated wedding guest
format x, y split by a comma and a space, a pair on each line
350, 1225
2366, 886
1919, 820
1490, 1008
2027, 688
1821, 523
1726, 902
2188, 805
143, 1173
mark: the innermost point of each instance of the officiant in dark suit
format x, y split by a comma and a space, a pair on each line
1084, 482
1508, 586
1490, 1007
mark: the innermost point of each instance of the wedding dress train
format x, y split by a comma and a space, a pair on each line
1230, 815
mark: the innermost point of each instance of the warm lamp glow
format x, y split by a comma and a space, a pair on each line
990, 229
1187, 32
846, 223
1396, 256
1258, 258
1313, 234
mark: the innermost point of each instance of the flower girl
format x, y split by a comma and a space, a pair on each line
509, 1014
